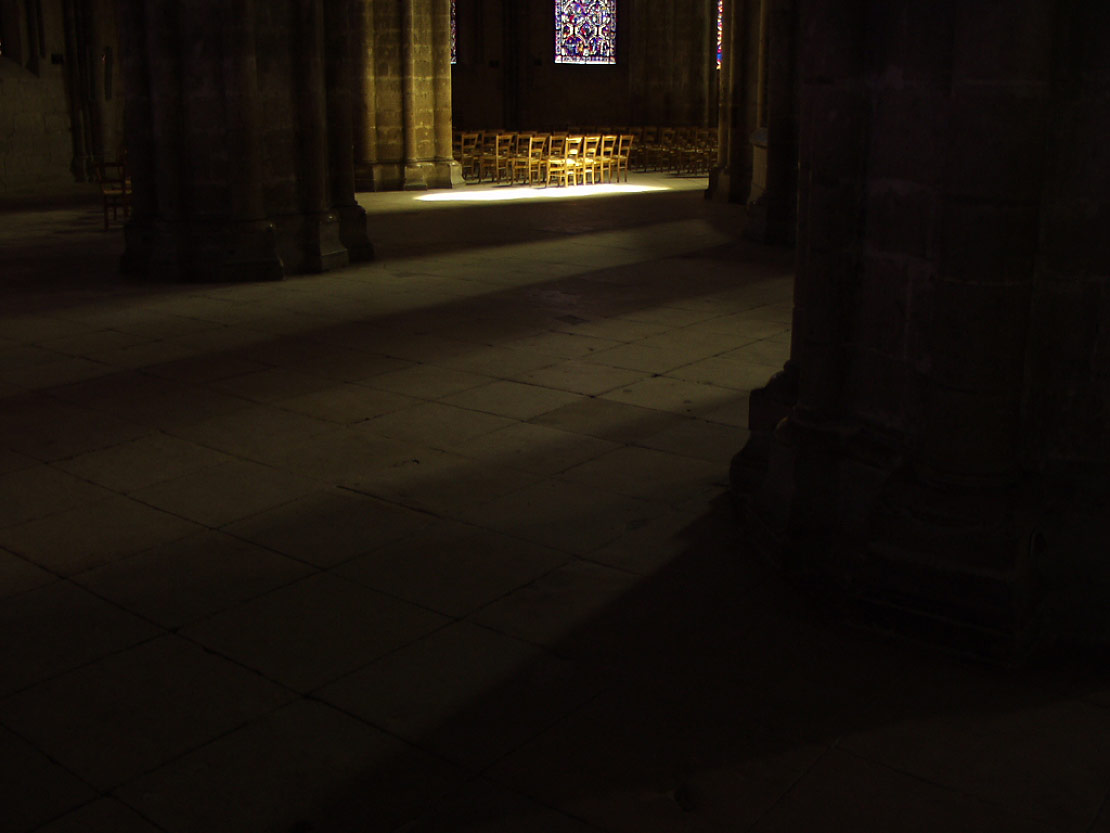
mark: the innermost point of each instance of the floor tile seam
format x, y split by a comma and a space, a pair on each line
479, 781
597, 394
641, 443
235, 458
664, 501
469, 616
100, 796
115, 791
56, 675
88, 505
463, 521
1102, 809
332, 572
285, 409
506, 784
485, 772
656, 504
715, 406
407, 743
510, 378
202, 529
314, 693
559, 472
438, 506
788, 790
423, 397
771, 372
97, 793
975, 798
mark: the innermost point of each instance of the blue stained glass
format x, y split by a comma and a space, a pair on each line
454, 35
585, 31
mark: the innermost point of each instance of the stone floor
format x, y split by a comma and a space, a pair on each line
441, 544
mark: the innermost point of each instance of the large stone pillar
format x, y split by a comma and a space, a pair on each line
231, 148
402, 60
341, 134
773, 203
947, 247
759, 126
731, 179
319, 226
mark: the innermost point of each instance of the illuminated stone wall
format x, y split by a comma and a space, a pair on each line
402, 95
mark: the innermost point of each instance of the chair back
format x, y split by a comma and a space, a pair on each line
112, 177
608, 147
574, 147
557, 147
589, 146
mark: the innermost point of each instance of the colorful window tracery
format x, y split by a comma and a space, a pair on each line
454, 35
585, 31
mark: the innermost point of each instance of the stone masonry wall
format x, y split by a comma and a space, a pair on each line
506, 76
36, 148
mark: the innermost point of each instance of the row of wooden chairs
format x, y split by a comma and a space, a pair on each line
543, 158
682, 150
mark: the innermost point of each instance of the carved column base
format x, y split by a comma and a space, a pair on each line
312, 242
448, 174
414, 177
836, 508
221, 251
354, 234
727, 184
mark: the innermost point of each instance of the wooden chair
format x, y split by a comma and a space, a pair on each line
496, 155
527, 161
588, 163
607, 156
623, 157
562, 160
659, 152
115, 189
555, 163
643, 141
468, 154
540, 148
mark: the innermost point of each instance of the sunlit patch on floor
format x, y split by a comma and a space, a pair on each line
515, 194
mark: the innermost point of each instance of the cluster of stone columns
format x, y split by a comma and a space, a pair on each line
758, 152
402, 112
240, 138
951, 278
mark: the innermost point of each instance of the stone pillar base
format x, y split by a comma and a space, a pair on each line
448, 174
321, 249
729, 185
354, 234
220, 251
415, 176
419, 176
836, 508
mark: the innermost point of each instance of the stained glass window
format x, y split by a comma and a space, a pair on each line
454, 35
585, 31
720, 32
